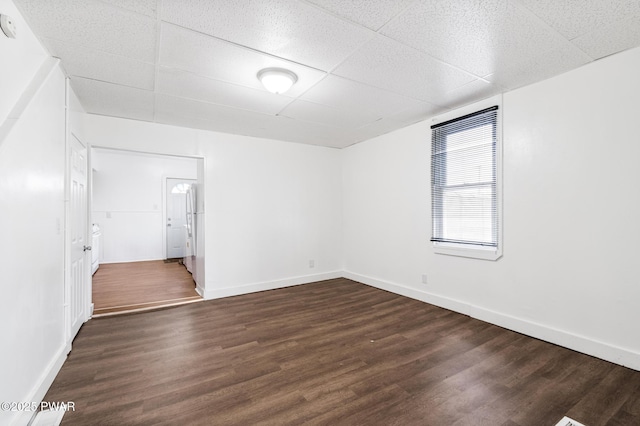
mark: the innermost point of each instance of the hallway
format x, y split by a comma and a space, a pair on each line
138, 286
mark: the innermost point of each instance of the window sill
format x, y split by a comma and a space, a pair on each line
461, 250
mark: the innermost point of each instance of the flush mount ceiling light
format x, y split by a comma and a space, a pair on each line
277, 80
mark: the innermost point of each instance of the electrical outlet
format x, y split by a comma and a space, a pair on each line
424, 278
108, 215
312, 263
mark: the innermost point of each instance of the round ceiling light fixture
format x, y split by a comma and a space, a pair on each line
277, 80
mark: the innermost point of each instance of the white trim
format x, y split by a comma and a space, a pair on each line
464, 250
583, 344
46, 70
200, 290
217, 293
89, 228
42, 385
132, 261
48, 418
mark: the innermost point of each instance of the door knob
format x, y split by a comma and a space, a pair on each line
86, 248
168, 224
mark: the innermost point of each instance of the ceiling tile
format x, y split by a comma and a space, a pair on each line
102, 98
610, 39
285, 28
537, 68
82, 62
201, 115
469, 93
575, 18
371, 14
94, 25
164, 117
390, 65
308, 111
226, 117
146, 7
187, 85
285, 128
377, 128
417, 113
338, 92
477, 36
209, 57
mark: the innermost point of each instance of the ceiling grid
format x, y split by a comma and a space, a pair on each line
364, 67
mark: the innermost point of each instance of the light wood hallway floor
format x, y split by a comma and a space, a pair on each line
135, 286
331, 353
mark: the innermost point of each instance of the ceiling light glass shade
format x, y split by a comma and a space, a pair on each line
277, 80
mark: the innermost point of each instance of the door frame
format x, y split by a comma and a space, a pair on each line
85, 287
70, 334
202, 175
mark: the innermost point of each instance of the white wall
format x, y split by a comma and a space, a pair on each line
32, 171
571, 209
32, 214
32, 211
21, 60
128, 202
270, 206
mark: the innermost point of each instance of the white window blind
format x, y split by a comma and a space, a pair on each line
463, 180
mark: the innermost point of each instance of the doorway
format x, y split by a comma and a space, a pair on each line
179, 213
135, 197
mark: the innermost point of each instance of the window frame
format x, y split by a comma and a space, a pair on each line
468, 250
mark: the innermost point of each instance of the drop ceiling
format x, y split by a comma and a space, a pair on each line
365, 67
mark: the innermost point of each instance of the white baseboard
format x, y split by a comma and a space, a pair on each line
108, 262
217, 293
42, 385
48, 418
559, 337
200, 290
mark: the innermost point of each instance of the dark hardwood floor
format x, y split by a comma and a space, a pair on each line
134, 286
331, 353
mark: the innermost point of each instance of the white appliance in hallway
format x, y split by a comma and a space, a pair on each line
190, 244
95, 248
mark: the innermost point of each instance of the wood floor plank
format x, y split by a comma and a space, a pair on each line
333, 352
604, 400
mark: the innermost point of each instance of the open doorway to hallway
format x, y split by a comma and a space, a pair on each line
145, 231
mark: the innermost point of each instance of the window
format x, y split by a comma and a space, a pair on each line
180, 188
464, 185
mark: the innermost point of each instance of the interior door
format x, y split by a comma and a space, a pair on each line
176, 206
76, 295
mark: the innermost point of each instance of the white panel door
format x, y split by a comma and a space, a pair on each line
176, 206
76, 297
